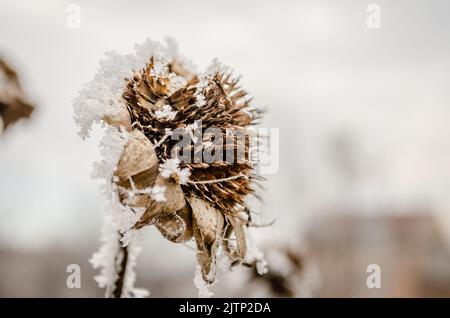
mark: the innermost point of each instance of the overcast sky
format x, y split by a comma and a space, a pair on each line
322, 74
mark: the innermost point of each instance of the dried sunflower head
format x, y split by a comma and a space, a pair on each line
13, 105
186, 164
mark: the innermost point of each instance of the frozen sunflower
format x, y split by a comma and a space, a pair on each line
177, 154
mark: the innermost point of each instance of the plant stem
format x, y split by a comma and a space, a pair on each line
117, 292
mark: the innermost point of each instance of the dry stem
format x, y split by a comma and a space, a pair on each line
117, 292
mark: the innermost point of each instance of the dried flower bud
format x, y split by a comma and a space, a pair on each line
183, 198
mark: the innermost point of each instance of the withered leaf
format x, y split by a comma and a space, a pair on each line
121, 118
176, 227
174, 201
138, 164
236, 226
207, 225
137, 156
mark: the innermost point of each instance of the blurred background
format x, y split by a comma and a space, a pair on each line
363, 113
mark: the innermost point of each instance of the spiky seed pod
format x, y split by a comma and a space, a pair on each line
13, 104
184, 199
211, 204
216, 100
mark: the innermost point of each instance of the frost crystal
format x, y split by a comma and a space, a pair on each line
202, 286
157, 193
172, 53
204, 78
201, 87
255, 256
191, 128
217, 67
111, 146
166, 113
223, 261
160, 69
102, 96
109, 255
176, 82
200, 100
98, 99
131, 236
171, 166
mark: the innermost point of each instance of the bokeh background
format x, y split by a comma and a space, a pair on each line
364, 119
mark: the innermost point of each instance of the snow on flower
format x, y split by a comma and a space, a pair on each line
157, 193
100, 98
254, 255
191, 128
103, 95
139, 104
166, 113
160, 69
200, 100
109, 255
171, 166
202, 286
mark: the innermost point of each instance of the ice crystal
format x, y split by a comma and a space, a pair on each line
202, 286
160, 69
171, 166
166, 113
109, 255
200, 100
255, 256
103, 95
157, 193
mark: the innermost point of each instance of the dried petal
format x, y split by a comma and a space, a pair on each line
176, 227
138, 156
208, 226
178, 69
235, 226
120, 118
174, 202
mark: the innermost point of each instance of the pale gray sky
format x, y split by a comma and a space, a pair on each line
316, 66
